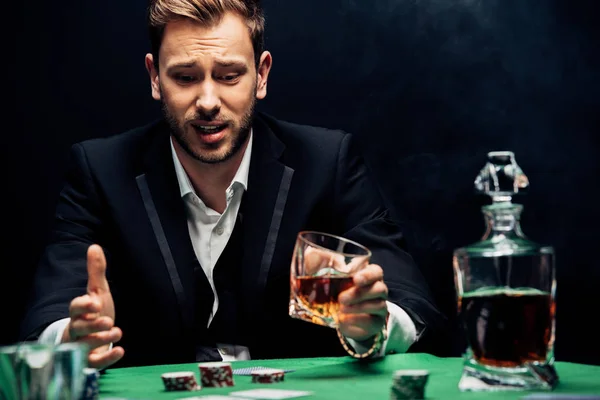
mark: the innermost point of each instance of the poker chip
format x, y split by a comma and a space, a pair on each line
180, 381
216, 374
409, 384
91, 386
268, 375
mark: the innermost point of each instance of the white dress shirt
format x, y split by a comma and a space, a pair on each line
209, 233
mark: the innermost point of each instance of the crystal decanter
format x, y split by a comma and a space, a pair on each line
506, 287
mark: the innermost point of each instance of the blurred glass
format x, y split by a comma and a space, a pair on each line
33, 371
8, 379
68, 378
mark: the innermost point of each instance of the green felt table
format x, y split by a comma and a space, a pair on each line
338, 378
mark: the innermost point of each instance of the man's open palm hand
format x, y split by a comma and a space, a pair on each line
93, 315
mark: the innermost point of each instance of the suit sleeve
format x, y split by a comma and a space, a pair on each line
61, 273
360, 209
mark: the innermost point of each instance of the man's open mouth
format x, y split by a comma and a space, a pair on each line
209, 129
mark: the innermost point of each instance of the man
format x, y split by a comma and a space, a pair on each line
173, 241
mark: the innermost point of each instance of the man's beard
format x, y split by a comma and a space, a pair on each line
240, 135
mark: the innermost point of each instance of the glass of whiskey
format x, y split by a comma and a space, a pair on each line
322, 267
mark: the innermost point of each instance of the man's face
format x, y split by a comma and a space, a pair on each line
208, 84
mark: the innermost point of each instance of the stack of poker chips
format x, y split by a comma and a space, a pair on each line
180, 381
268, 375
91, 386
409, 384
216, 374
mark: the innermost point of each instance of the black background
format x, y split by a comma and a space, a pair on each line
428, 86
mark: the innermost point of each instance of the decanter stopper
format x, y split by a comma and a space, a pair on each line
501, 177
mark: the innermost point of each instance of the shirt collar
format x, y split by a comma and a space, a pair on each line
241, 175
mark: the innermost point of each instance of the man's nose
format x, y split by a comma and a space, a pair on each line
208, 100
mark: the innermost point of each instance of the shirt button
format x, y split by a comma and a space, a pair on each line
219, 230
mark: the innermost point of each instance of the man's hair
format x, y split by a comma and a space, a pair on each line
208, 13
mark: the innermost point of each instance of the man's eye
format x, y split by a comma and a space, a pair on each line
184, 78
230, 77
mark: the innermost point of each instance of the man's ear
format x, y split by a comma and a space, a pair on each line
264, 67
153, 73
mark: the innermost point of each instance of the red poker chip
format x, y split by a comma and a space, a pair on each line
268, 376
216, 374
180, 381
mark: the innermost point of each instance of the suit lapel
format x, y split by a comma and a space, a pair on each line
165, 208
268, 185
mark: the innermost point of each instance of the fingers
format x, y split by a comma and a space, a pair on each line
84, 306
376, 307
363, 310
104, 359
96, 268
316, 259
369, 275
360, 326
100, 339
81, 327
357, 264
356, 294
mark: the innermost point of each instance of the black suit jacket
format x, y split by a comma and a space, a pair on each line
122, 193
